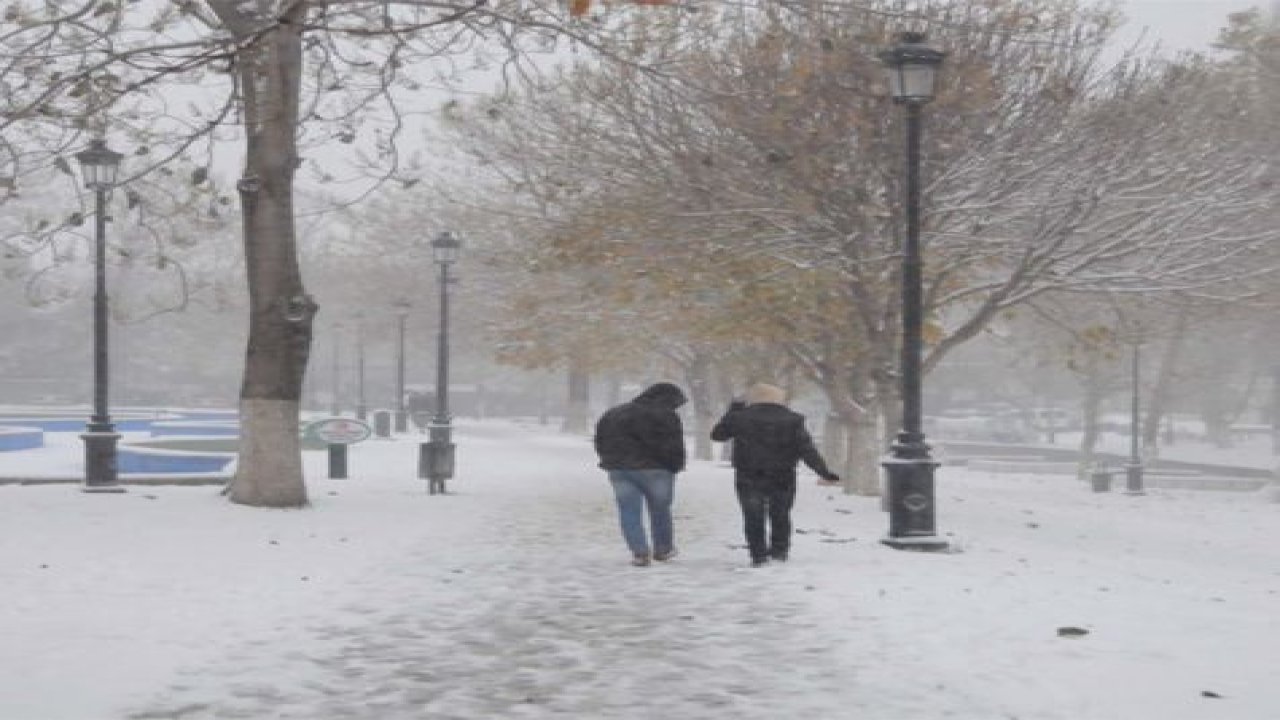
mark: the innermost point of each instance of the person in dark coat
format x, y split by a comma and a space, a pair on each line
769, 440
641, 446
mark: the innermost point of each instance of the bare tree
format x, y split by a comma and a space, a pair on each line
285, 78
774, 164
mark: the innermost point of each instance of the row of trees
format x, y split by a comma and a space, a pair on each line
738, 214
293, 83
718, 185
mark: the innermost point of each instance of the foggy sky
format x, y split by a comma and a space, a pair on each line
1181, 24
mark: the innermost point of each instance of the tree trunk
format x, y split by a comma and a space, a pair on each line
1158, 398
699, 379
1221, 406
269, 473
833, 443
725, 395
1090, 414
861, 470
577, 416
854, 419
1216, 423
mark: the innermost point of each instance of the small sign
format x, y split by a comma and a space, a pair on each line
340, 431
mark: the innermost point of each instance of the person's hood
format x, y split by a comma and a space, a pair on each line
664, 393
766, 393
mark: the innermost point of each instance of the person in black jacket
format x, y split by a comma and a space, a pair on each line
769, 440
641, 446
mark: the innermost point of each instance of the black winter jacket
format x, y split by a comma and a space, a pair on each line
644, 434
769, 438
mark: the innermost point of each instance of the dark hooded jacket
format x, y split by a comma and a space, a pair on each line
644, 434
769, 438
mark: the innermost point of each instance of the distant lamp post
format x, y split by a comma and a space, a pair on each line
436, 456
1133, 468
402, 413
335, 407
100, 167
912, 68
1275, 410
362, 408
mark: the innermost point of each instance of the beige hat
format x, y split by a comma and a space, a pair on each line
765, 393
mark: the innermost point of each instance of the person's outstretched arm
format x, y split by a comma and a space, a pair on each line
811, 457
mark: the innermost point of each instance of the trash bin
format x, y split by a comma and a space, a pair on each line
382, 423
337, 461
1101, 480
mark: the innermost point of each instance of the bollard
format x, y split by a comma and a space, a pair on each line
382, 424
1101, 480
337, 461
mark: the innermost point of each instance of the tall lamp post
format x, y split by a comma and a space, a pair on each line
100, 166
436, 456
362, 409
1275, 410
335, 407
402, 413
912, 67
1133, 468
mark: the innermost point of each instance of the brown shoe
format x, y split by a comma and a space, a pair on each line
665, 555
640, 560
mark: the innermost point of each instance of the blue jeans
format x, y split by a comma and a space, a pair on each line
636, 489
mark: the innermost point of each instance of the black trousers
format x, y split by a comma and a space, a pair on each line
766, 499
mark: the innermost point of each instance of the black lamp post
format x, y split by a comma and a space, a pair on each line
1133, 468
436, 456
1275, 410
335, 407
101, 167
912, 67
362, 409
402, 414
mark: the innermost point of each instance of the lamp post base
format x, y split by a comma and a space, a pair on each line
1133, 479
931, 543
101, 475
910, 500
103, 489
436, 457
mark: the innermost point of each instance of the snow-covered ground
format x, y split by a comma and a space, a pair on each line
511, 597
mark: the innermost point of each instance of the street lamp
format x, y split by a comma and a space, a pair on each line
335, 407
1275, 410
912, 67
402, 414
362, 409
436, 456
100, 167
1133, 468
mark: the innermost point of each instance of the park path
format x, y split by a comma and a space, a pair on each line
534, 613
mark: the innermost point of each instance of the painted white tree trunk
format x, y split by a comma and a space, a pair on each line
271, 448
863, 454
269, 64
